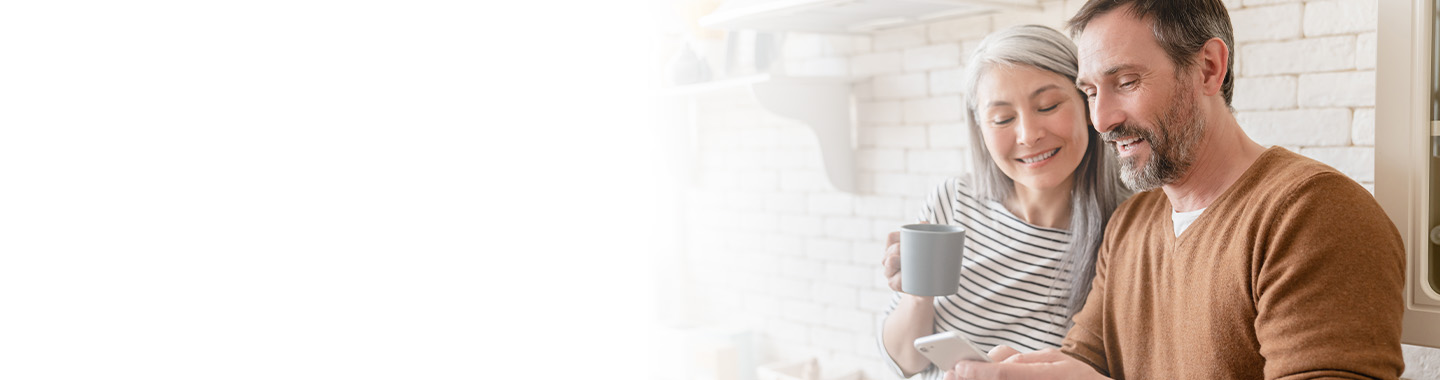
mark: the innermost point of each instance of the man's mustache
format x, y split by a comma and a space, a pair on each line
1125, 131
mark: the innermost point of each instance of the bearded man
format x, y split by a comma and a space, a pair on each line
1235, 261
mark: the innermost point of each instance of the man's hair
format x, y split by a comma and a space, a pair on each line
1181, 27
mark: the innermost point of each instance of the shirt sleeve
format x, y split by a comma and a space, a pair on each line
929, 213
935, 208
1328, 285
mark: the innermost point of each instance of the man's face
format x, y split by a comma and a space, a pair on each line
1143, 106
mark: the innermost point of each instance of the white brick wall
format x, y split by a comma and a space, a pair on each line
948, 81
959, 29
1355, 89
1264, 93
1269, 23
1297, 56
1356, 162
1324, 18
928, 57
1310, 127
900, 38
1362, 132
884, 112
772, 244
906, 85
948, 136
936, 109
866, 65
1365, 52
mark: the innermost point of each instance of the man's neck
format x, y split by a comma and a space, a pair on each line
1220, 159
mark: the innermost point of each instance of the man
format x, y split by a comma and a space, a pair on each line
1236, 261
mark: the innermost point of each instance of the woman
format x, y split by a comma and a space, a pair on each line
1034, 207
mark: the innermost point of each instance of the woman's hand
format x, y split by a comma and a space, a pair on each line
891, 262
913, 317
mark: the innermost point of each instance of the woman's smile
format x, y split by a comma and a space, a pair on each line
1037, 160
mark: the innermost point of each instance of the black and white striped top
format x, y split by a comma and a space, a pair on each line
1006, 278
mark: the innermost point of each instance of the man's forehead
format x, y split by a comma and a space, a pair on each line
1109, 41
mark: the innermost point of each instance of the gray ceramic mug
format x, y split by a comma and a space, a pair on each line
930, 256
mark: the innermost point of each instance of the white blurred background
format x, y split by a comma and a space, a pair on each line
450, 189
325, 189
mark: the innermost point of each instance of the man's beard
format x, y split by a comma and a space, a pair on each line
1173, 142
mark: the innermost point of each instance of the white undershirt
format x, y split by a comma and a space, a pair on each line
1182, 220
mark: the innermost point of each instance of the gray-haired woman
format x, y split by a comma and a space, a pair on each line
1034, 207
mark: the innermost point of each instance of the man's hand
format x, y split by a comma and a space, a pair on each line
1008, 364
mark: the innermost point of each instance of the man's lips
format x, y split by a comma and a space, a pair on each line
1126, 145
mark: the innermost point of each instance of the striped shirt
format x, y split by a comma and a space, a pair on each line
1005, 279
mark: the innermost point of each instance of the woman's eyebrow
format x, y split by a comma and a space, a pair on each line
1037, 92
1042, 89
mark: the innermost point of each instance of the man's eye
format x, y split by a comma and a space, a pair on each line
1128, 85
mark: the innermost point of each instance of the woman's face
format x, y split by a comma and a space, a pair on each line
1034, 125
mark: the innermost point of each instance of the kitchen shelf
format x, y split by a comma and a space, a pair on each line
821, 103
847, 16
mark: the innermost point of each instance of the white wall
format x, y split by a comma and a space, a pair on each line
771, 244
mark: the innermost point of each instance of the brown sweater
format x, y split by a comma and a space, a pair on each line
1294, 272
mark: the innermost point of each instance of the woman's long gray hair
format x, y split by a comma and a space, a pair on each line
1097, 188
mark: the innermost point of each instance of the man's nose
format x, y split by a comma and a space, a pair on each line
1105, 112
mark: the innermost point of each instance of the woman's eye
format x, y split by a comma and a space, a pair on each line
1050, 108
1002, 122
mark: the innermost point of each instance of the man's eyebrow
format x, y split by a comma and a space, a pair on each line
1108, 72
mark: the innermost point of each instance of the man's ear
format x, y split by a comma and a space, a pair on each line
1213, 58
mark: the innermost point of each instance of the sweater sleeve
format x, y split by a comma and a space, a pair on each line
1328, 285
1084, 341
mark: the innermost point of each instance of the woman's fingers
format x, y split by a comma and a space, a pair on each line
891, 262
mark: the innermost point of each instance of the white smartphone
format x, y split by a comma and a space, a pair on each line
947, 348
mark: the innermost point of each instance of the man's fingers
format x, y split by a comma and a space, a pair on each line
1002, 353
971, 370
1048, 355
968, 370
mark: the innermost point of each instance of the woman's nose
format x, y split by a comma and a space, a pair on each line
1028, 132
